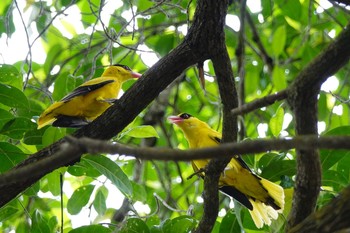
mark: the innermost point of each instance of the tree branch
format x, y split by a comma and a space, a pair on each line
72, 149
259, 103
302, 97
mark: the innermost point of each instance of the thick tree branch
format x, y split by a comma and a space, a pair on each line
302, 97
70, 151
334, 217
199, 43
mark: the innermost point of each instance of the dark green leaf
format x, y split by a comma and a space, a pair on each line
139, 192
33, 137
12, 97
10, 155
5, 116
79, 199
135, 225
182, 224
100, 203
52, 134
10, 75
7, 212
112, 171
330, 157
276, 170
40, 223
16, 127
229, 223
91, 229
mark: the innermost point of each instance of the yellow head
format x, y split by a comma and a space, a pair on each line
188, 123
123, 72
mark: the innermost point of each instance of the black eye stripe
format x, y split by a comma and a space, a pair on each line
124, 66
185, 116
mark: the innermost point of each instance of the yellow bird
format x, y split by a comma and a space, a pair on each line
263, 198
89, 100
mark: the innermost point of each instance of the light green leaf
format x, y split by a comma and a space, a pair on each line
112, 171
279, 40
279, 78
79, 199
276, 122
142, 131
12, 97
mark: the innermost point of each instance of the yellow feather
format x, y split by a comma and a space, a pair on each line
258, 191
88, 101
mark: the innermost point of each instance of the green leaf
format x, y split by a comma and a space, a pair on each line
79, 199
100, 203
16, 127
12, 97
7, 212
112, 171
135, 225
10, 155
276, 170
40, 223
5, 116
142, 131
182, 224
334, 179
278, 78
53, 182
330, 157
10, 75
64, 84
33, 137
139, 192
276, 122
52, 134
279, 40
91, 229
229, 223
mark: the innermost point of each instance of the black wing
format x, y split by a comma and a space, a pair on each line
83, 90
237, 195
69, 122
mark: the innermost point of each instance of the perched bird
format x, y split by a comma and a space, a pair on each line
263, 198
89, 100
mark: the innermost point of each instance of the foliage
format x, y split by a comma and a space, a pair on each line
133, 33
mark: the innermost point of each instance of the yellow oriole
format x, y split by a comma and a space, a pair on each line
263, 198
89, 100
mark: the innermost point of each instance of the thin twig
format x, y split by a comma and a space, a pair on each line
259, 103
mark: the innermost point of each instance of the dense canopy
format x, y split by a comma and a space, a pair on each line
272, 70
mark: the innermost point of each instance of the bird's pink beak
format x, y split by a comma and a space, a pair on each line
135, 74
175, 119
